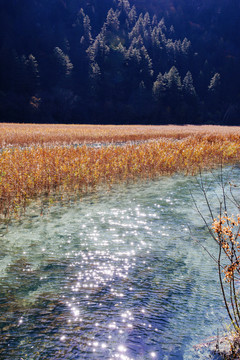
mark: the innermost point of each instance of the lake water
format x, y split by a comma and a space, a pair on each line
115, 275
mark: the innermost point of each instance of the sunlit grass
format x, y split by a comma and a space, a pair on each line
27, 172
29, 134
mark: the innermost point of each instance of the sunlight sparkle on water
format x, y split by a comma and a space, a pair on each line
153, 355
138, 291
122, 348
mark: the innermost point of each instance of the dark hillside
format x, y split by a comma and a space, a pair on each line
114, 61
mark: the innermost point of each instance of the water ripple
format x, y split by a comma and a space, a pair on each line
113, 276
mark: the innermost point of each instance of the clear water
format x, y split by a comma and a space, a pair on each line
113, 276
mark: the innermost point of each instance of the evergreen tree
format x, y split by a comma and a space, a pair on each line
214, 97
114, 74
139, 63
138, 29
94, 79
154, 20
116, 51
77, 31
123, 13
160, 93
174, 81
146, 68
86, 39
160, 87
188, 87
190, 98
174, 96
63, 64
147, 21
112, 23
215, 83
99, 50
132, 16
124, 6
162, 26
185, 46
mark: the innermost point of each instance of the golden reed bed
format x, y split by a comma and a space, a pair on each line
29, 134
39, 163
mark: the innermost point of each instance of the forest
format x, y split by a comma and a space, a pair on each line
120, 61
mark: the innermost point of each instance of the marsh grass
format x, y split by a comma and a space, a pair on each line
35, 134
43, 163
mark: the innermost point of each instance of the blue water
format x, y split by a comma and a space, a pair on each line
114, 275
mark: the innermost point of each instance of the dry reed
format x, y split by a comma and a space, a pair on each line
29, 172
29, 134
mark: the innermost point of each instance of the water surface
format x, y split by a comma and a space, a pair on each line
115, 275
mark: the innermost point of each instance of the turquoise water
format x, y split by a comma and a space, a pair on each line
115, 275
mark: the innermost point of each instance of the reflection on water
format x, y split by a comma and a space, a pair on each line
113, 276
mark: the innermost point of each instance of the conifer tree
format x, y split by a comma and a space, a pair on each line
214, 95
190, 99
138, 29
99, 50
86, 39
63, 67
173, 99
123, 12
63, 62
174, 81
112, 22
132, 16
188, 87
154, 20
160, 87
78, 28
214, 85
94, 79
